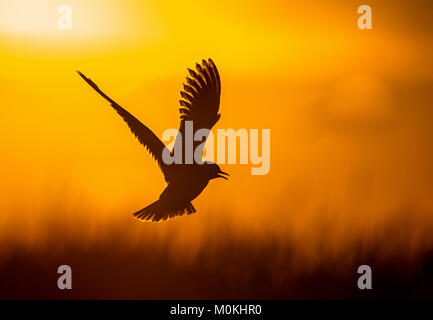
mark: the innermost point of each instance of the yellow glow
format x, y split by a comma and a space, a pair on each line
27, 16
92, 21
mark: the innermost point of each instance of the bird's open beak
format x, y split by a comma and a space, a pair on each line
221, 173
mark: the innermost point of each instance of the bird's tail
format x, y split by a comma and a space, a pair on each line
158, 211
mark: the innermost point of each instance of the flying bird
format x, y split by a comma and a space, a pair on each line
200, 105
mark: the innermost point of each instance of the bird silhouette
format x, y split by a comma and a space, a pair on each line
185, 181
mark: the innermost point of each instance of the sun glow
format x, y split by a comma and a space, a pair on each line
23, 16
95, 20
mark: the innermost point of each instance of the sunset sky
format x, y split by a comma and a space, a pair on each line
350, 114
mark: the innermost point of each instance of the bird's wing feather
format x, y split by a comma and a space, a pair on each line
146, 137
200, 100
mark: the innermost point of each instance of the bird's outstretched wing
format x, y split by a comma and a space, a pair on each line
200, 99
146, 137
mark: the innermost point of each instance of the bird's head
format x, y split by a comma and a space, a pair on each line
214, 171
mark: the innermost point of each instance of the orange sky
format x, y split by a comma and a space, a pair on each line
349, 112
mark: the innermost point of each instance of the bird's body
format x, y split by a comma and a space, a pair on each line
185, 182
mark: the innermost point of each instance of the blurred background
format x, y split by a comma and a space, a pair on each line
350, 113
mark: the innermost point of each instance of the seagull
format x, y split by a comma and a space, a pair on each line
199, 104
